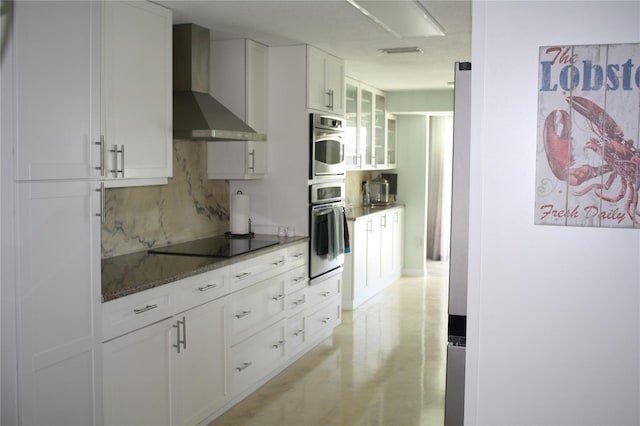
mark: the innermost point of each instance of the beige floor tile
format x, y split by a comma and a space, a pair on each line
385, 365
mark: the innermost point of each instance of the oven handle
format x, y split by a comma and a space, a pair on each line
323, 209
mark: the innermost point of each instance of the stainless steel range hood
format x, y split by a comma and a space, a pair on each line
196, 114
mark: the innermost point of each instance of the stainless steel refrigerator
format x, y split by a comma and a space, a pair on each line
458, 259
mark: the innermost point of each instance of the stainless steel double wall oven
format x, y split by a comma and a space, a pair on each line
327, 221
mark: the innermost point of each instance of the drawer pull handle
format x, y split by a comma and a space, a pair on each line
298, 279
325, 293
242, 275
242, 314
207, 287
245, 365
145, 309
298, 255
278, 297
298, 332
279, 344
299, 301
325, 319
278, 263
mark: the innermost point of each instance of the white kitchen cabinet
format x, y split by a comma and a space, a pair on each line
236, 160
392, 142
55, 52
253, 307
325, 82
136, 92
375, 260
199, 386
58, 302
137, 384
351, 113
182, 361
244, 94
367, 146
255, 357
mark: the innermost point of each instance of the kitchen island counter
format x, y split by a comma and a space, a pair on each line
135, 272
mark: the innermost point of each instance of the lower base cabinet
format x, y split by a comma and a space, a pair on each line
199, 388
136, 383
376, 257
254, 358
189, 368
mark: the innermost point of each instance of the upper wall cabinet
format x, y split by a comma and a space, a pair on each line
325, 82
55, 53
245, 94
136, 92
86, 73
368, 145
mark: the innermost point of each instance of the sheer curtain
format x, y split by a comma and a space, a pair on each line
439, 187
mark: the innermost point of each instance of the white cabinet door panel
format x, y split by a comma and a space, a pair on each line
58, 280
137, 88
199, 384
137, 384
56, 89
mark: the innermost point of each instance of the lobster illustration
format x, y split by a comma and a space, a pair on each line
620, 158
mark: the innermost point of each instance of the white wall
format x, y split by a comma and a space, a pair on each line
553, 311
412, 179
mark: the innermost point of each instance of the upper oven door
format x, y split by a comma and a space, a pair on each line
327, 154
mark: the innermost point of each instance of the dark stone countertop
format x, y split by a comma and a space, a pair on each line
135, 272
356, 212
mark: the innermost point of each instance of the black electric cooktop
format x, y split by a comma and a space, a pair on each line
214, 247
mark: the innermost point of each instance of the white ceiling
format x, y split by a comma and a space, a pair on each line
338, 28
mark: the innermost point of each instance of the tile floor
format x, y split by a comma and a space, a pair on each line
385, 365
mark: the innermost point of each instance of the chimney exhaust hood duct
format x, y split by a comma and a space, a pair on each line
196, 114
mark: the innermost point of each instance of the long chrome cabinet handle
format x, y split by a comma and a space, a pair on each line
122, 163
102, 212
242, 314
207, 287
101, 144
115, 170
252, 156
145, 309
279, 344
245, 365
181, 337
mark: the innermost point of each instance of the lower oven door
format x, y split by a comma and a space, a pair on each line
326, 251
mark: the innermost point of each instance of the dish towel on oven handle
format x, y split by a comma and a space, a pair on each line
330, 233
347, 243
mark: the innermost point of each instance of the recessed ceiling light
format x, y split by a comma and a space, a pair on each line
400, 18
412, 49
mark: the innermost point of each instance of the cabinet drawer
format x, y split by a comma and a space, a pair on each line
325, 318
324, 290
202, 288
297, 301
257, 356
132, 312
259, 268
296, 333
296, 279
255, 305
297, 255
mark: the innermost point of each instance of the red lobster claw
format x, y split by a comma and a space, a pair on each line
557, 146
557, 150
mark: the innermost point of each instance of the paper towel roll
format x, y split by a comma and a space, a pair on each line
239, 213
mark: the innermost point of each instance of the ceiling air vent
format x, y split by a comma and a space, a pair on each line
412, 49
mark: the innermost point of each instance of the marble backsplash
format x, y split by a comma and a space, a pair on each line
189, 207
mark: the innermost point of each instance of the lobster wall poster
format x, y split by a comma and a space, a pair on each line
588, 158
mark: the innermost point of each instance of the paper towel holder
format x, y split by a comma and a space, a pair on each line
248, 235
